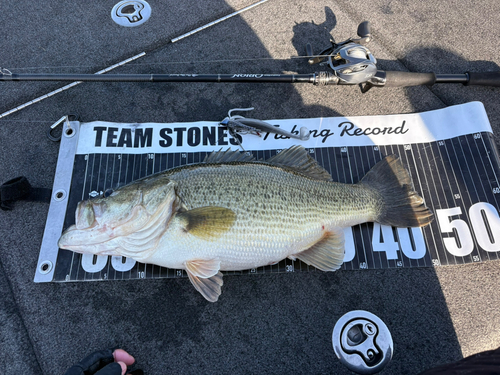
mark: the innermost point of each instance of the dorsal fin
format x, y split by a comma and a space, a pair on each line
297, 158
227, 156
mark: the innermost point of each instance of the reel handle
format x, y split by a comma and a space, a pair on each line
364, 33
364, 29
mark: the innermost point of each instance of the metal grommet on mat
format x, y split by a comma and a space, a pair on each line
362, 342
45, 267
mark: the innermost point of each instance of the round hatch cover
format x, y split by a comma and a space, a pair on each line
362, 342
131, 13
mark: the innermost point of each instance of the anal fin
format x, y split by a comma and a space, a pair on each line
205, 277
327, 254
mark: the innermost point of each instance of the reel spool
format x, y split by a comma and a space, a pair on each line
350, 60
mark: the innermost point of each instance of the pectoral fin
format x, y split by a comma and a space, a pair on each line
207, 222
327, 254
205, 277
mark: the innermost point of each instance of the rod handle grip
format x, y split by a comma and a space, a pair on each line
404, 79
484, 79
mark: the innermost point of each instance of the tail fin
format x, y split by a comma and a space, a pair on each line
401, 205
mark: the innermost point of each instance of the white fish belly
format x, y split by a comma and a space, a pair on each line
235, 251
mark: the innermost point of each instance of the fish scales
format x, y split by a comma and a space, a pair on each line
263, 187
278, 211
235, 213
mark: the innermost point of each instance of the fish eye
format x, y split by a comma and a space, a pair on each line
108, 192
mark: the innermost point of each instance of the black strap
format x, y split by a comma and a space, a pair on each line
20, 189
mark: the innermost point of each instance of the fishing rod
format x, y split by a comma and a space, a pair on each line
349, 62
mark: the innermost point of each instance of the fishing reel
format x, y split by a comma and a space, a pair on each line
352, 63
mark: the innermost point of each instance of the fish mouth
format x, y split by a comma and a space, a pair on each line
84, 233
131, 231
77, 240
66, 240
95, 225
72, 237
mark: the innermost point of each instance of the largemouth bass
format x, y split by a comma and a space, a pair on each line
232, 212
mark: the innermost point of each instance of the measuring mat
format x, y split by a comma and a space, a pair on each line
450, 154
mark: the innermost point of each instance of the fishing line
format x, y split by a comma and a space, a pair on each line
278, 59
177, 62
44, 121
